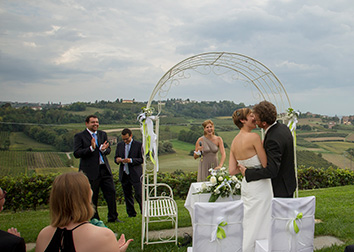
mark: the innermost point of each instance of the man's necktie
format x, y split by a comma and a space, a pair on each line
97, 146
126, 166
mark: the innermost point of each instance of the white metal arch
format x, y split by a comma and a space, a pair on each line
244, 68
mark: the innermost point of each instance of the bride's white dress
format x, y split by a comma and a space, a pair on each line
257, 198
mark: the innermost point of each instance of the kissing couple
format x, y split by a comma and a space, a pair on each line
268, 168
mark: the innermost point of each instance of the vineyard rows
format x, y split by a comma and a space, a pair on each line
17, 162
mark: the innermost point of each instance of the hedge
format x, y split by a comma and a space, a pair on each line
31, 192
311, 178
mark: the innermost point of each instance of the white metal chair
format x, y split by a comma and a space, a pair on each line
292, 226
157, 198
208, 218
159, 206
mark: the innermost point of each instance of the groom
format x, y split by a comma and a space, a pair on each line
279, 147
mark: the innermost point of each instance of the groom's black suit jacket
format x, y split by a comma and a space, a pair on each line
279, 147
89, 160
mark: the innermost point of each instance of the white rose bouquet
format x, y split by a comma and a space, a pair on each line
221, 183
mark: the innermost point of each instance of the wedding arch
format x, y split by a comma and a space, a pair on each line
253, 74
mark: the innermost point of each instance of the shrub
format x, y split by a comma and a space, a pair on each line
27, 192
30, 192
311, 178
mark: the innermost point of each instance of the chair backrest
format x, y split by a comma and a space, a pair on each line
293, 224
208, 216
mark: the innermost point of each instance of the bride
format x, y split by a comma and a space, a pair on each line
247, 149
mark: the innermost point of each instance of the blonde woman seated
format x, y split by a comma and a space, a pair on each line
247, 150
207, 148
70, 210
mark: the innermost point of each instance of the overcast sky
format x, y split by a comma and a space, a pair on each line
83, 50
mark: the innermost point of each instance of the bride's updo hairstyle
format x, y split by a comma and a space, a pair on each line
206, 122
240, 114
70, 199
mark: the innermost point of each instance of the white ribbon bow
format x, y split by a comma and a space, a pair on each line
292, 225
147, 129
218, 227
292, 115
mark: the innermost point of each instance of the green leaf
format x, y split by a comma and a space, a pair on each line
213, 197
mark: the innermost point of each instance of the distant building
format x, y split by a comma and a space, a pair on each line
309, 114
128, 101
331, 124
346, 120
36, 108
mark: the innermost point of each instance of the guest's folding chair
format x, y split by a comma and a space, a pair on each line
217, 227
292, 226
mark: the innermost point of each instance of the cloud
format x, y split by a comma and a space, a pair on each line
122, 49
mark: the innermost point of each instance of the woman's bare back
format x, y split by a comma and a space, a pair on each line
243, 145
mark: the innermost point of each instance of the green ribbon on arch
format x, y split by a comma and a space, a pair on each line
220, 233
148, 142
292, 115
298, 217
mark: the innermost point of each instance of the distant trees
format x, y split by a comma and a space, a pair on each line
329, 119
111, 112
62, 139
192, 135
304, 127
4, 140
166, 148
201, 109
15, 119
77, 106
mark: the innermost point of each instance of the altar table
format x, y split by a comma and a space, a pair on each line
193, 196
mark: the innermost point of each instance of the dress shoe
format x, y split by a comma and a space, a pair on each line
116, 220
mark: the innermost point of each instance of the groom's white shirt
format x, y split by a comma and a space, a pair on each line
265, 132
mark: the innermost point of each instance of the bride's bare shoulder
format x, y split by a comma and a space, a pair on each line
253, 136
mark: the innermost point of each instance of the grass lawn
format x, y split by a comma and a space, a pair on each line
178, 161
334, 207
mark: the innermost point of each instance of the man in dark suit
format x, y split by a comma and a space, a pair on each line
91, 146
10, 240
129, 156
279, 146
349, 248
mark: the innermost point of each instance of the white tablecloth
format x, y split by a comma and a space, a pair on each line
192, 197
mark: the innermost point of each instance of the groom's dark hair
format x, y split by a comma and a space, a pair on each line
266, 111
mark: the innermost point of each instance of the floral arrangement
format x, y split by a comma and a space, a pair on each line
221, 183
